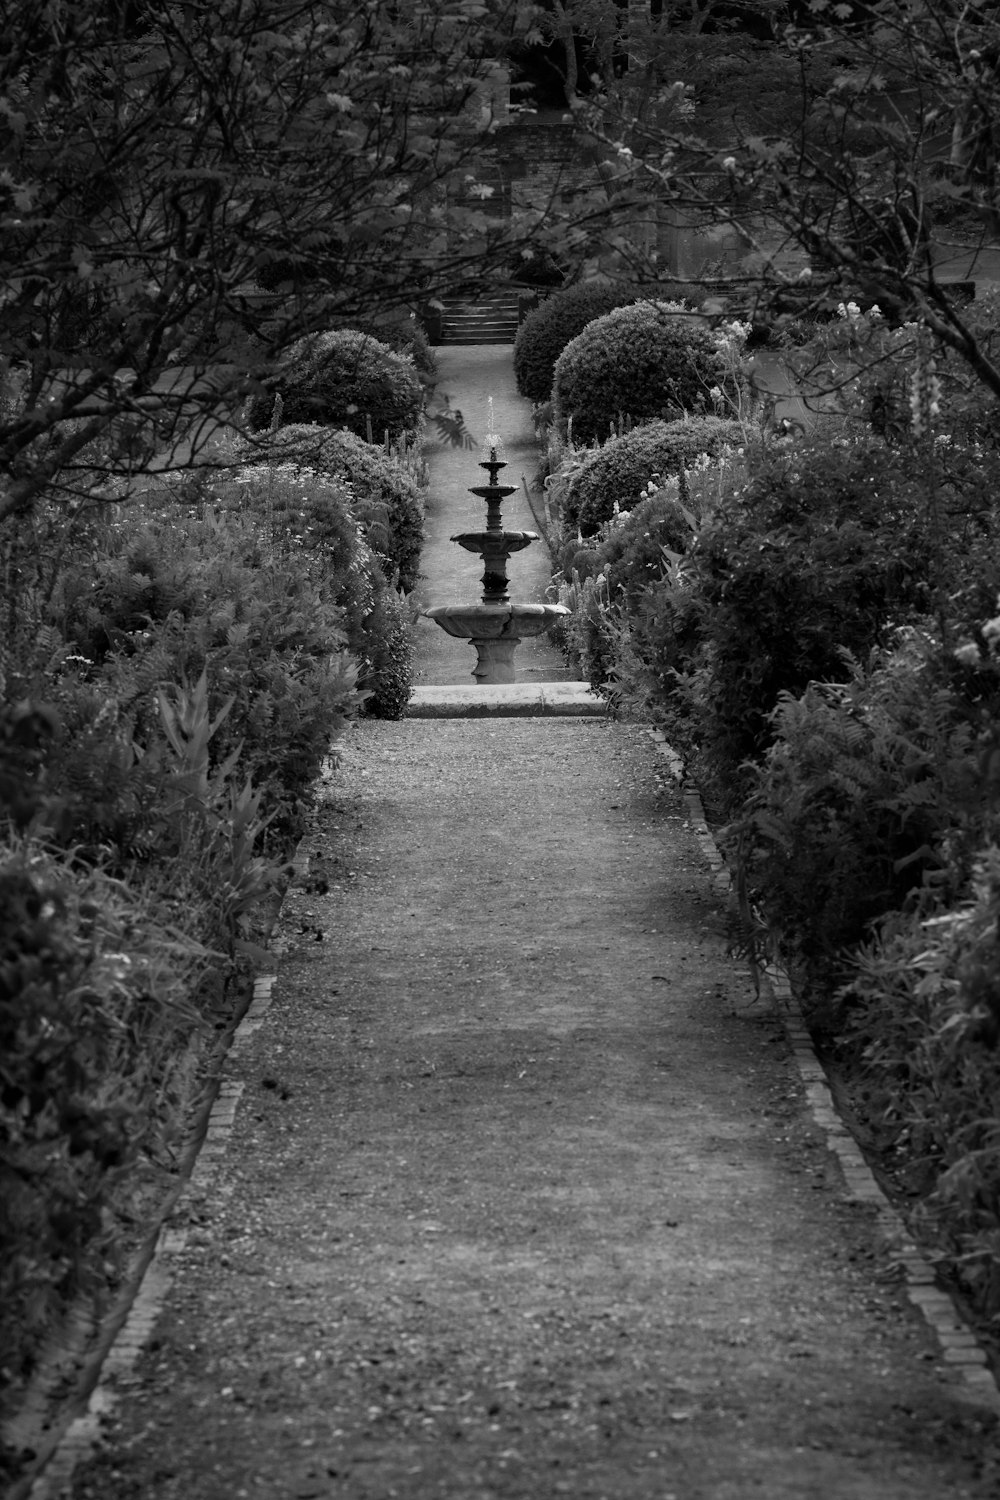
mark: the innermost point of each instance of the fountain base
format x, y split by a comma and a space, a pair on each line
495, 659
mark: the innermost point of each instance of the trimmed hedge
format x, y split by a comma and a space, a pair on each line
547, 330
620, 471
385, 498
403, 335
651, 359
344, 378
312, 515
829, 549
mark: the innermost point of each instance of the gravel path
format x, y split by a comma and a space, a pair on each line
522, 1199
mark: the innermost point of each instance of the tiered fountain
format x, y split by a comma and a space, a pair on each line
495, 627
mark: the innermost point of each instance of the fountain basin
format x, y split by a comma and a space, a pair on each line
490, 622
501, 541
495, 630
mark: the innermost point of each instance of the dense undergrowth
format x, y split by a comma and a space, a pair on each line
812, 616
178, 660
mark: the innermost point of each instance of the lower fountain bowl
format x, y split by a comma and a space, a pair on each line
491, 622
495, 630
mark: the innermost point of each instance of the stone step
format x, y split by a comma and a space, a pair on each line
506, 700
478, 333
480, 309
493, 303
481, 325
476, 338
484, 315
492, 318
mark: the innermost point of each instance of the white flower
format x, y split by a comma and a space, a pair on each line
729, 164
968, 655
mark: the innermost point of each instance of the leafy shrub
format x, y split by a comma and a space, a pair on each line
648, 360
309, 518
856, 368
95, 1016
313, 517
588, 636
547, 330
383, 495
164, 602
344, 379
853, 801
659, 529
646, 625
824, 553
616, 474
385, 670
923, 1009
404, 335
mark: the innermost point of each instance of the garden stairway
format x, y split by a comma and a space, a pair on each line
489, 319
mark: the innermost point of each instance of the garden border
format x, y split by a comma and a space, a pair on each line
118, 1339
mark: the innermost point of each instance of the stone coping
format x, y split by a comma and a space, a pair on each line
504, 700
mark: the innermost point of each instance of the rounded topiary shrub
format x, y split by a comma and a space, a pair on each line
652, 359
385, 498
618, 473
403, 335
344, 378
547, 330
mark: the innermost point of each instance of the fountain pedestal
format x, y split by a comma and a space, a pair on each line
496, 626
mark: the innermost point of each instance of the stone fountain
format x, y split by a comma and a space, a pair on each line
497, 626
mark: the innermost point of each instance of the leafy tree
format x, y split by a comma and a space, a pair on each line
885, 175
187, 188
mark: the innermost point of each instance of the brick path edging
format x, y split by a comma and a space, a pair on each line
960, 1349
83, 1435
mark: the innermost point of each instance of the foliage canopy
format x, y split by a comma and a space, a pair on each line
161, 162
